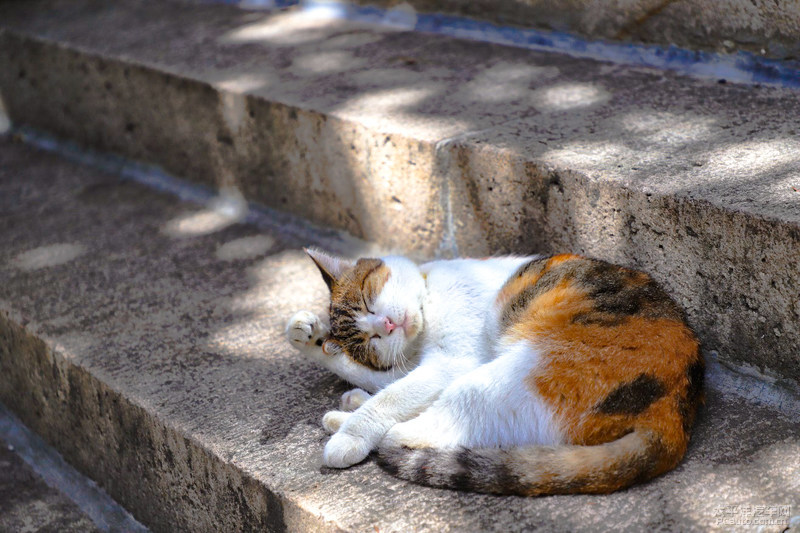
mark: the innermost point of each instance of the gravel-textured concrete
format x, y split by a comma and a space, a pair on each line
765, 27
142, 337
435, 145
28, 505
48, 494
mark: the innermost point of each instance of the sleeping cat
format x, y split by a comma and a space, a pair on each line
509, 375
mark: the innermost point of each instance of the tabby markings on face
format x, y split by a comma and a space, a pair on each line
352, 296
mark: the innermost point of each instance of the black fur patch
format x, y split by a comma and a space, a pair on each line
520, 301
632, 398
695, 374
421, 474
619, 293
506, 481
536, 266
645, 466
547, 281
389, 460
462, 480
598, 319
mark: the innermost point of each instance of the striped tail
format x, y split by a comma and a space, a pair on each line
538, 470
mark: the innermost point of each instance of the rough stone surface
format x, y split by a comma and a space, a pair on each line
765, 27
28, 505
435, 146
689, 187
142, 337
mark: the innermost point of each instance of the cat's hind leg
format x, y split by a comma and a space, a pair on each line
400, 401
491, 407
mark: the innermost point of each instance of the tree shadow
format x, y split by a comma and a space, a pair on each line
390, 134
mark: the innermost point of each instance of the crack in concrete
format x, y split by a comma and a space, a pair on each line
448, 245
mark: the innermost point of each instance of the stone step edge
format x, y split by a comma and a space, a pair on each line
736, 344
57, 474
61, 400
279, 222
60, 393
743, 66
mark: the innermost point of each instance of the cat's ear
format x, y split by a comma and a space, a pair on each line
330, 267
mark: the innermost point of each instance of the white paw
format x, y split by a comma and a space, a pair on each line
333, 420
305, 329
345, 450
353, 399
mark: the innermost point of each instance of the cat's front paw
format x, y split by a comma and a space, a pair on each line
345, 450
305, 330
353, 399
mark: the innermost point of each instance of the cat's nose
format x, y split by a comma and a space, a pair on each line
388, 325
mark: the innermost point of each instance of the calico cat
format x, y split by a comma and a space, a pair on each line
508, 375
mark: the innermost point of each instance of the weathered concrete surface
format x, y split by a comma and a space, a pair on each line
435, 145
691, 188
49, 474
765, 27
28, 505
142, 337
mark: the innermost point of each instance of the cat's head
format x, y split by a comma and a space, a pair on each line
376, 308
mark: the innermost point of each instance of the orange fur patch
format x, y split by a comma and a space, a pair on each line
584, 363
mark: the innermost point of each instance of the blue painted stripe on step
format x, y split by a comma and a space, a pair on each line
106, 514
741, 67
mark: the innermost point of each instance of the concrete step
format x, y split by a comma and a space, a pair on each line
40, 492
440, 146
767, 29
142, 336
28, 504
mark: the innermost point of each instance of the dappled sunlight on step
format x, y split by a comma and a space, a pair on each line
665, 128
199, 223
595, 153
756, 157
295, 29
247, 82
286, 277
569, 96
687, 153
506, 81
5, 122
245, 248
223, 211
48, 256
403, 103
328, 62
